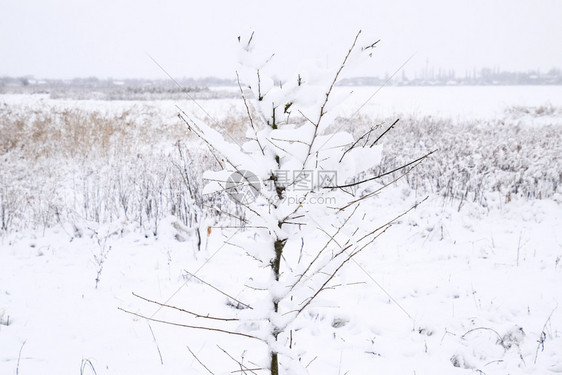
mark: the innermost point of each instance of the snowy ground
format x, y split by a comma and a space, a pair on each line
451, 288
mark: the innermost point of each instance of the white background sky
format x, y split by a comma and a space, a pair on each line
110, 38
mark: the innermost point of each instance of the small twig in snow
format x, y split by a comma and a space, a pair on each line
19, 357
155, 342
198, 360
542, 337
85, 362
481, 329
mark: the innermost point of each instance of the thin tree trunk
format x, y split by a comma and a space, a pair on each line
274, 364
276, 265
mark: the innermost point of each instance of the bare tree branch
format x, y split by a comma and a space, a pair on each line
330, 239
393, 220
380, 175
379, 189
185, 311
249, 114
218, 290
327, 98
190, 326
366, 134
333, 274
384, 132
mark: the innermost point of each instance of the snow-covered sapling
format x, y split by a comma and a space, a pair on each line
303, 190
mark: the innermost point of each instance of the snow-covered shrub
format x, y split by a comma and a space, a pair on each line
509, 157
74, 164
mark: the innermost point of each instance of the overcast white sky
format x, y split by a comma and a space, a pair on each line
110, 38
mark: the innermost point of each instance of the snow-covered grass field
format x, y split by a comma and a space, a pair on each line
95, 205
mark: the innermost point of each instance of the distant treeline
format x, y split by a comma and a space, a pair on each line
482, 77
115, 88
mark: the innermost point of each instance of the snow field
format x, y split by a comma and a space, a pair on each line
478, 293
468, 282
